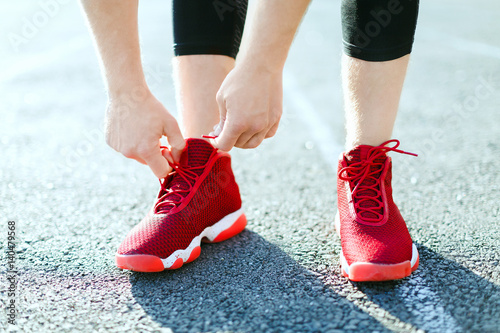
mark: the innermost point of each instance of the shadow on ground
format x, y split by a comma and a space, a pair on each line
440, 294
254, 288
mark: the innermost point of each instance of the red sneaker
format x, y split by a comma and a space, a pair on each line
376, 244
199, 200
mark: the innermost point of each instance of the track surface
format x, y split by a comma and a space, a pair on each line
74, 199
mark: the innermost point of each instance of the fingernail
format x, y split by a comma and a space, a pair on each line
217, 131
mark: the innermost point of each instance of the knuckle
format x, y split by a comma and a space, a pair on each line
137, 150
270, 134
225, 146
219, 97
254, 143
238, 127
277, 116
142, 151
128, 152
169, 118
258, 126
108, 141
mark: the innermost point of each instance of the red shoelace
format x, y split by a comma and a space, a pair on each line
365, 175
176, 186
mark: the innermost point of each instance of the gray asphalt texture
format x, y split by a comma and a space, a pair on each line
74, 199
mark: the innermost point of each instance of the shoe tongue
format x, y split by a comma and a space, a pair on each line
196, 153
359, 154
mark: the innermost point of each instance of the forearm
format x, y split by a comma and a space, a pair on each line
271, 33
114, 25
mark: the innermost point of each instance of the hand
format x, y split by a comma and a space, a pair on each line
250, 104
135, 123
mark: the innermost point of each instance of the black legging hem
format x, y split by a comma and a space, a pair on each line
205, 48
377, 54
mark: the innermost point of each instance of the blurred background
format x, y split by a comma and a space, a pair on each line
74, 199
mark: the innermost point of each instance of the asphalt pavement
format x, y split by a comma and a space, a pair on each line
73, 199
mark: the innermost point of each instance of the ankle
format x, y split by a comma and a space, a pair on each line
364, 141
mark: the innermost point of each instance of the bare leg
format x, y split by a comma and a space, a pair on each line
197, 80
371, 94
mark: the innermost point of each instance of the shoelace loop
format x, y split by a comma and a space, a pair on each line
173, 195
366, 175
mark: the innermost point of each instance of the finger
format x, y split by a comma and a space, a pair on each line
166, 153
272, 131
243, 139
218, 128
133, 156
215, 133
258, 129
140, 160
174, 136
255, 140
221, 103
227, 138
158, 164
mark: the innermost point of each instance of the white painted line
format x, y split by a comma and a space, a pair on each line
308, 114
458, 43
412, 294
36, 61
424, 303
384, 317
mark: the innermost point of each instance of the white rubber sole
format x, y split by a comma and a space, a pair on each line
211, 233
227, 227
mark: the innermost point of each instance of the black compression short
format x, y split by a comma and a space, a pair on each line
378, 30
208, 26
373, 30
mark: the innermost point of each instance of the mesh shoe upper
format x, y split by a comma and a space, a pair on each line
371, 226
198, 193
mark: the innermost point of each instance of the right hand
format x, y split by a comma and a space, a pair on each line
134, 127
250, 107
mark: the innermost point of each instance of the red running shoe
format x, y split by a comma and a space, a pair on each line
376, 244
199, 200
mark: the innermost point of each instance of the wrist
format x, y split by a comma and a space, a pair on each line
124, 77
132, 91
260, 64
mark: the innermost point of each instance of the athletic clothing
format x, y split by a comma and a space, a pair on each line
378, 30
208, 26
373, 30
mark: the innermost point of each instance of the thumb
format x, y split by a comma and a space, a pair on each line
166, 153
227, 138
219, 128
174, 136
158, 164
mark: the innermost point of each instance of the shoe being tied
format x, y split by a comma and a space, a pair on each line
376, 244
199, 200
